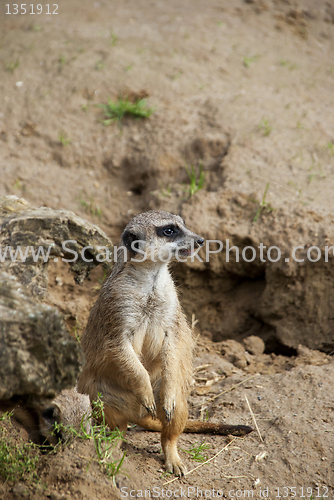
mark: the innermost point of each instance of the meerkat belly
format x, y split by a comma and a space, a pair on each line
148, 339
154, 316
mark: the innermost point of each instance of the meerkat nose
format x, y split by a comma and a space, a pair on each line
200, 241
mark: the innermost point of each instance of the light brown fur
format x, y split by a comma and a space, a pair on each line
137, 343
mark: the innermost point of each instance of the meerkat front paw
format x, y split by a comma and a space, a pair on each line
150, 406
169, 408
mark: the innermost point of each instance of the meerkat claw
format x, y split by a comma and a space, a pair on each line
152, 410
169, 414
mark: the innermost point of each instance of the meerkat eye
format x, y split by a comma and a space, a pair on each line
170, 231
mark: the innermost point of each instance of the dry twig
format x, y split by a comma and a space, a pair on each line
253, 417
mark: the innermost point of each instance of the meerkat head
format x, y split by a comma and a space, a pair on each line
159, 237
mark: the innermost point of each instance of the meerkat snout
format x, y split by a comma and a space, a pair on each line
200, 242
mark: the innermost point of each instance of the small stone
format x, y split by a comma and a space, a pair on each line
254, 345
21, 490
233, 352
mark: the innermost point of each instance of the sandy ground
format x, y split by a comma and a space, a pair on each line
246, 88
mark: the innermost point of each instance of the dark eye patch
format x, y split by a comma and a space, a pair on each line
170, 231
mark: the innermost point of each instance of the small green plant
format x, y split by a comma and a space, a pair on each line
262, 204
330, 147
319, 174
61, 61
76, 329
18, 184
91, 207
11, 66
196, 178
316, 175
127, 68
104, 277
100, 65
300, 126
247, 61
103, 438
115, 111
165, 474
63, 138
113, 38
265, 126
177, 75
197, 453
167, 191
287, 64
18, 460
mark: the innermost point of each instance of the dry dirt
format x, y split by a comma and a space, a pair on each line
246, 88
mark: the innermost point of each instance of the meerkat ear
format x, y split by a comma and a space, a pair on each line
128, 237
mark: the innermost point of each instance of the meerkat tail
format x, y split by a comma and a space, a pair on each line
221, 429
196, 427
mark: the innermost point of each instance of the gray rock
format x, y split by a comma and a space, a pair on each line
22, 225
254, 345
38, 357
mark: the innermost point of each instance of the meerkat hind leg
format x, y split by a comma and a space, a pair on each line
169, 437
173, 462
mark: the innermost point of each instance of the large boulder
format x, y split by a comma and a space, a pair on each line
38, 357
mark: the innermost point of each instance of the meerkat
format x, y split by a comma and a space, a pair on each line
69, 408
138, 345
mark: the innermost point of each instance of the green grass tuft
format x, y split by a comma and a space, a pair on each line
11, 66
63, 138
196, 178
113, 38
61, 61
18, 460
116, 111
90, 207
247, 61
330, 147
265, 126
103, 438
287, 64
197, 453
100, 65
263, 204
